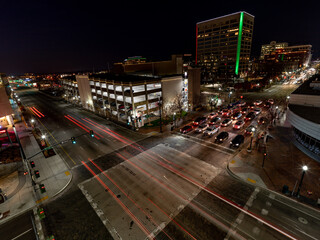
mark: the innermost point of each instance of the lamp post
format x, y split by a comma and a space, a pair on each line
174, 120
160, 107
230, 97
250, 147
304, 168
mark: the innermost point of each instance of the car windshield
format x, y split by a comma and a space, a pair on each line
238, 123
201, 126
210, 129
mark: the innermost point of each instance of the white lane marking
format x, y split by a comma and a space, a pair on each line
238, 221
209, 142
216, 149
21, 234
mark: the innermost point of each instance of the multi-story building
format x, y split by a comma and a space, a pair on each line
304, 116
269, 48
283, 59
223, 45
134, 99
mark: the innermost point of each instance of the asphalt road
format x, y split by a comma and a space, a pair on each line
20, 228
179, 184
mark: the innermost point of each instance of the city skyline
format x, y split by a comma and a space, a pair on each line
66, 37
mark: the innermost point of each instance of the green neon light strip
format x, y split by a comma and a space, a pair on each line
239, 43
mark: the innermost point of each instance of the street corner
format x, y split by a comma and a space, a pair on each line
235, 162
252, 178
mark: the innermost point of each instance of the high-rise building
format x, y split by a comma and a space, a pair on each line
223, 45
269, 48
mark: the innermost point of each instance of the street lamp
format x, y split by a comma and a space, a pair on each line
252, 132
304, 168
43, 136
230, 97
32, 120
174, 120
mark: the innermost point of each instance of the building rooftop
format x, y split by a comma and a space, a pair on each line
122, 77
228, 15
306, 89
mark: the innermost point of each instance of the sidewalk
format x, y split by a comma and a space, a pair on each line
22, 196
282, 166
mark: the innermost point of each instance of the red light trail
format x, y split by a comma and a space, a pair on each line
140, 208
124, 207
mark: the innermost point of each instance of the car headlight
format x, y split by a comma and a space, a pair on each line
230, 142
237, 144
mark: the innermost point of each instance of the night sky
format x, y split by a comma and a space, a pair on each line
62, 36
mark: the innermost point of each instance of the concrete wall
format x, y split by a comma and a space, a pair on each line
194, 78
171, 87
302, 99
85, 91
6, 169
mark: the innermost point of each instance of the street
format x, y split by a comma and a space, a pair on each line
132, 186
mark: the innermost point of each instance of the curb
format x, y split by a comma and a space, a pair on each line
232, 174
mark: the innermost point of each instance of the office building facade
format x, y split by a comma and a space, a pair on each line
223, 45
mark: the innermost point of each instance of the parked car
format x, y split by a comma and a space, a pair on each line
249, 129
238, 125
236, 115
262, 120
215, 120
226, 122
211, 130
222, 136
212, 115
257, 111
202, 127
186, 129
199, 120
257, 102
236, 142
250, 116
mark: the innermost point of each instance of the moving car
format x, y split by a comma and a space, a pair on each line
241, 104
257, 111
215, 120
252, 106
238, 125
226, 122
211, 130
237, 141
186, 129
250, 116
222, 136
236, 115
199, 120
250, 130
201, 128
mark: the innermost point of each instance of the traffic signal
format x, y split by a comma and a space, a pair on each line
73, 140
41, 213
91, 133
32, 164
42, 188
36, 173
241, 97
